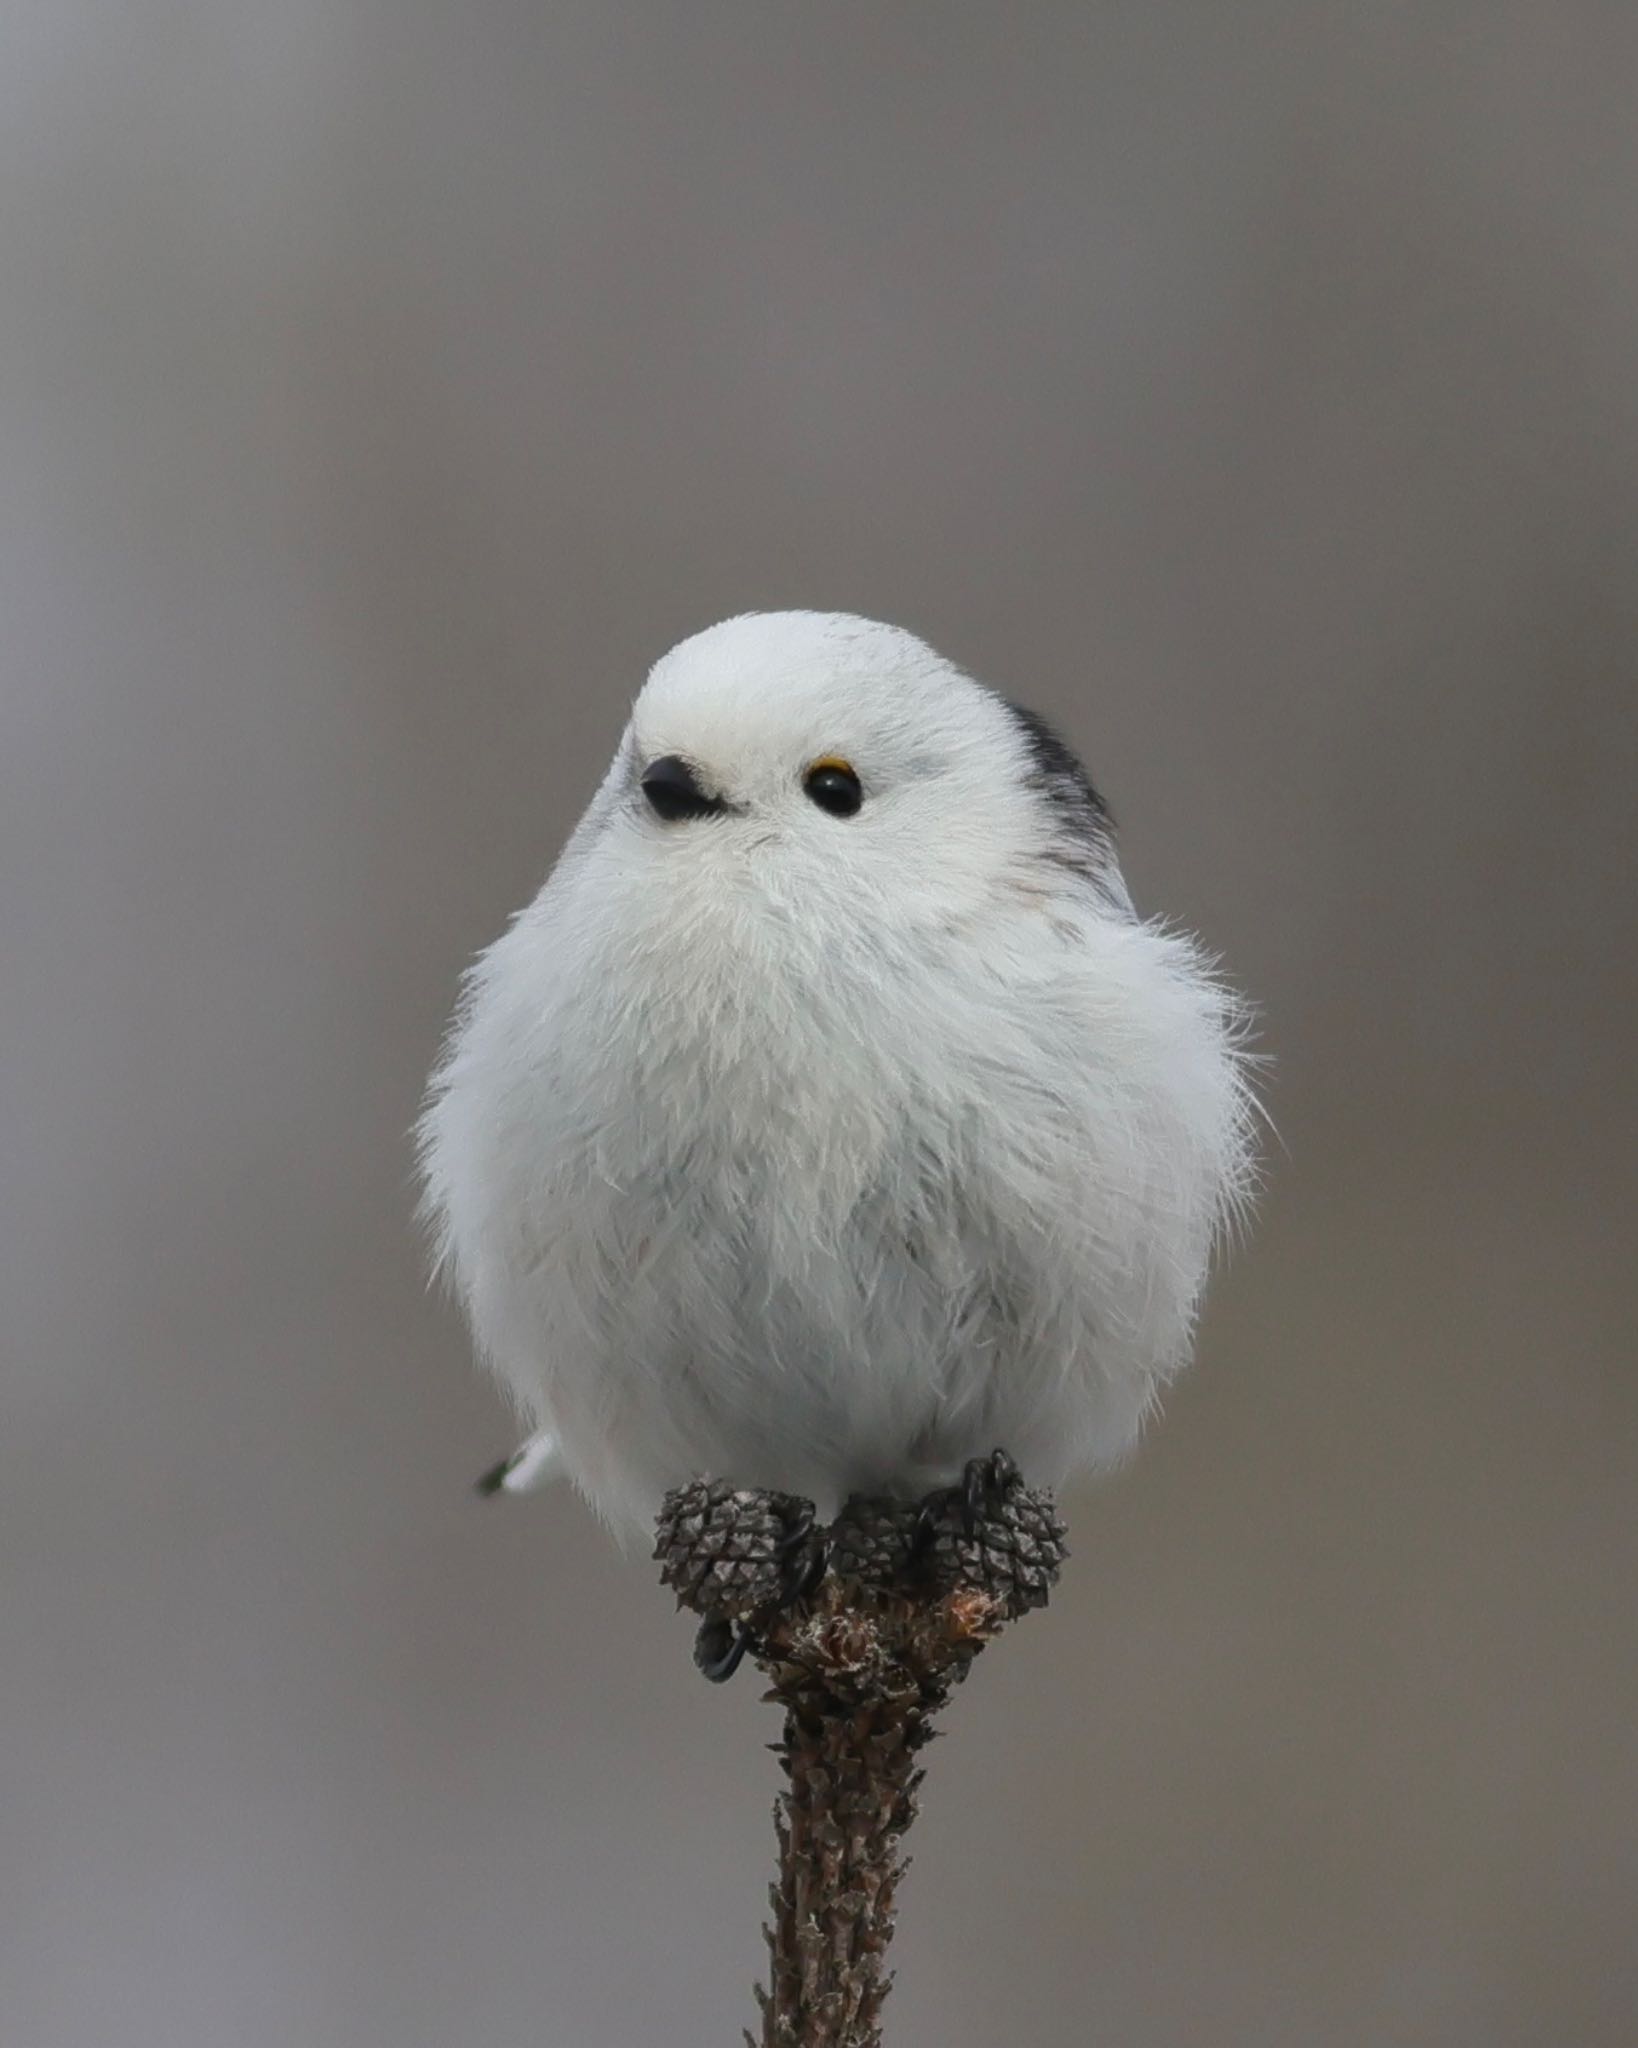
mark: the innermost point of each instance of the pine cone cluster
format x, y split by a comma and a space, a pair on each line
719, 1548
725, 1551
1014, 1550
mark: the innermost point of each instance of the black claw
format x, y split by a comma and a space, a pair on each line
982, 1488
932, 1511
804, 1555
975, 1494
795, 1538
985, 1484
806, 1571
719, 1648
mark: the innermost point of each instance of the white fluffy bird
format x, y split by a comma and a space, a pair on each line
830, 1118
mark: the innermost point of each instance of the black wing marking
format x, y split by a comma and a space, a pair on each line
1083, 828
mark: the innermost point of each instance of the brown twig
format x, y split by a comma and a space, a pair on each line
860, 1667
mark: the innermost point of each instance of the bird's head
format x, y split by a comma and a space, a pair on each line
814, 756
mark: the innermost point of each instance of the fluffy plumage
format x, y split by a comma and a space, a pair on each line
823, 1153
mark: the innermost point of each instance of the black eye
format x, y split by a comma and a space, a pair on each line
834, 787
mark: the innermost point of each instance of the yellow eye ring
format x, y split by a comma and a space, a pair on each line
835, 761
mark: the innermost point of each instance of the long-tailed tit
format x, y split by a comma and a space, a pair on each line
830, 1117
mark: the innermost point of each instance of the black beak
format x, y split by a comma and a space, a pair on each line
674, 792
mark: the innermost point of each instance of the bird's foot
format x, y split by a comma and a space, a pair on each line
720, 1646
745, 1561
944, 1540
980, 1494
993, 1533
739, 1557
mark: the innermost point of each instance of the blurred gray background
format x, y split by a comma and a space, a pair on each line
382, 388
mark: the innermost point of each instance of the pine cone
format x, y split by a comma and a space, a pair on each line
871, 1540
1014, 1553
719, 1547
